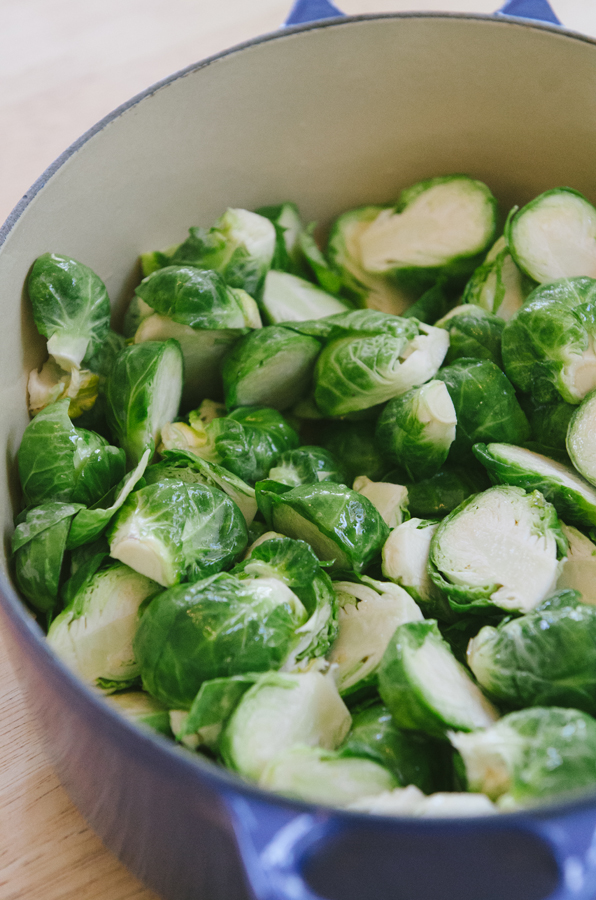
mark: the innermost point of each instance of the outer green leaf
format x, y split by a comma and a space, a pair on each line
473, 334
307, 465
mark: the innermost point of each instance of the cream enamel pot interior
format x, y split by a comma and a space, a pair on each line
333, 115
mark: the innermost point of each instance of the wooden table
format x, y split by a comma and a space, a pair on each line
63, 65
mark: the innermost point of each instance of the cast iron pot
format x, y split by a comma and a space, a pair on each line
335, 114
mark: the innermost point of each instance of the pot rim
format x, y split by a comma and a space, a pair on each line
152, 746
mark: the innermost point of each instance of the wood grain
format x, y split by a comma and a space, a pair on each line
64, 64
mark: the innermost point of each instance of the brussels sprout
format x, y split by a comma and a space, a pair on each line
38, 546
143, 394
356, 449
368, 616
405, 562
246, 443
440, 227
71, 308
142, 710
307, 465
294, 563
240, 246
288, 298
545, 658
473, 334
89, 524
485, 405
364, 289
499, 550
358, 323
51, 383
321, 776
212, 707
548, 344
60, 462
581, 444
339, 524
579, 568
362, 370
94, 635
136, 312
410, 801
412, 758
279, 712
288, 225
425, 687
271, 367
553, 236
549, 423
84, 563
327, 276
530, 755
390, 500
173, 531
573, 498
417, 429
182, 465
434, 497
497, 285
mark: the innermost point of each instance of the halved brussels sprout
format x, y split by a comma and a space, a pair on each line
497, 285
368, 616
426, 688
548, 345
573, 498
288, 298
417, 429
473, 334
215, 628
71, 308
94, 635
554, 236
390, 500
288, 225
531, 755
545, 658
579, 568
212, 707
172, 531
499, 550
143, 394
581, 438
280, 711
321, 776
327, 276
307, 465
271, 367
405, 562
136, 311
440, 227
142, 710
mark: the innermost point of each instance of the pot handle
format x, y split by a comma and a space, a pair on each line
304, 11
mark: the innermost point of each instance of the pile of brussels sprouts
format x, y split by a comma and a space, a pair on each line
326, 518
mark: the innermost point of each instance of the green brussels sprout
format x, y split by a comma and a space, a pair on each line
215, 628
410, 801
390, 500
143, 394
71, 308
474, 333
499, 550
288, 298
38, 546
60, 462
172, 531
369, 613
417, 429
440, 227
142, 710
548, 344
321, 776
355, 447
426, 688
326, 275
246, 443
412, 758
405, 562
307, 465
573, 498
485, 405
545, 658
531, 755
364, 289
136, 311
553, 236
181, 465
94, 635
497, 285
212, 707
271, 367
434, 497
580, 438
288, 225
549, 423
280, 711
84, 563
579, 568
339, 524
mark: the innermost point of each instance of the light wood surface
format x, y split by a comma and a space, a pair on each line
63, 65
